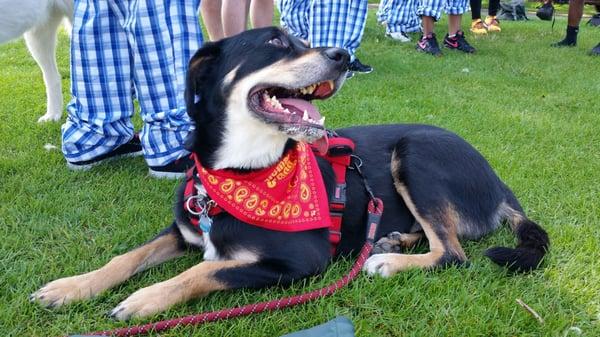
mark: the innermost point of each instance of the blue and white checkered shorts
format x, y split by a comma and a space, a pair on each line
400, 15
126, 49
434, 8
334, 23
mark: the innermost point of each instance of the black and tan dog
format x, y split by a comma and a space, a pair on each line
249, 98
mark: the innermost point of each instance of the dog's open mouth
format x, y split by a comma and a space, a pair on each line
291, 107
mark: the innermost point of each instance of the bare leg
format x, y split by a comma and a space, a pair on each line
428, 24
575, 12
454, 24
234, 15
211, 16
118, 270
261, 13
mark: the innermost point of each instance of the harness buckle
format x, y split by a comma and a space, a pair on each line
339, 196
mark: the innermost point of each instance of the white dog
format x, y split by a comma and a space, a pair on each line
39, 20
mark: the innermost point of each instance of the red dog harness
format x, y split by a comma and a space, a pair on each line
289, 196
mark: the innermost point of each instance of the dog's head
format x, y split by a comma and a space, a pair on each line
249, 94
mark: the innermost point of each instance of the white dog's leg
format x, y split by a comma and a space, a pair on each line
41, 41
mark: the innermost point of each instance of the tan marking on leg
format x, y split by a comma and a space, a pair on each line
394, 242
118, 270
389, 264
409, 240
514, 217
450, 220
194, 282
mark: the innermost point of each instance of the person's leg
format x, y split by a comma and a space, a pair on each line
454, 24
167, 34
337, 24
403, 19
383, 11
430, 12
261, 13
575, 13
211, 16
428, 23
456, 37
494, 6
99, 112
475, 9
477, 25
492, 23
294, 17
234, 15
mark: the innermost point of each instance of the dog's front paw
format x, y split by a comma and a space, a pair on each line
380, 264
50, 117
144, 302
64, 291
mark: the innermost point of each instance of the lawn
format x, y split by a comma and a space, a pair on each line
531, 110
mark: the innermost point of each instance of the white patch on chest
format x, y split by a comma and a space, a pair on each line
192, 237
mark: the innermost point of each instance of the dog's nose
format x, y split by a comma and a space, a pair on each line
337, 55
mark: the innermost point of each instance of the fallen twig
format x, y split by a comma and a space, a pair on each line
531, 311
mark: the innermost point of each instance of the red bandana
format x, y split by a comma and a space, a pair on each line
288, 196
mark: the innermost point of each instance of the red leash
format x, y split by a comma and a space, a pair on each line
375, 210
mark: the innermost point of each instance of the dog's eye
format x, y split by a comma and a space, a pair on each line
277, 42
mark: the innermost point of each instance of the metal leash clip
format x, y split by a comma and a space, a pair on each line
204, 204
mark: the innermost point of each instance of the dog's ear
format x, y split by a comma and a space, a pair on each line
200, 68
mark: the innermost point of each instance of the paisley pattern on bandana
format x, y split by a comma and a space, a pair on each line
289, 196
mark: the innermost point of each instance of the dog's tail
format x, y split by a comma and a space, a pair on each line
533, 243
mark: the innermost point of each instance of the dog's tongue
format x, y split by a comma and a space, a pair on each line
300, 105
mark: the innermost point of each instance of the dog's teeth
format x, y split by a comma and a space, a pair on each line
305, 116
331, 84
286, 110
322, 121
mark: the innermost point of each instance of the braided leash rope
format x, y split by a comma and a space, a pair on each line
375, 210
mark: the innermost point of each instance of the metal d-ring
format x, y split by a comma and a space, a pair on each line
188, 206
358, 164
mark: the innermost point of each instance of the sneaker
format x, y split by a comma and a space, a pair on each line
458, 42
132, 148
398, 36
428, 44
173, 170
478, 27
564, 43
492, 24
596, 50
357, 66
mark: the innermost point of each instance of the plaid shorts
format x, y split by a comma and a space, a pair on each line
126, 49
434, 8
334, 23
400, 15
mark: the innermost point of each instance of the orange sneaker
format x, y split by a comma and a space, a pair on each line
478, 27
493, 25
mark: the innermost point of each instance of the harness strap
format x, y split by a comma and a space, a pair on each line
339, 154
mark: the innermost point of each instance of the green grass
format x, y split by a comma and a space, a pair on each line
531, 110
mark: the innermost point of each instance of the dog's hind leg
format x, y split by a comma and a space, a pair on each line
439, 223
164, 247
41, 41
